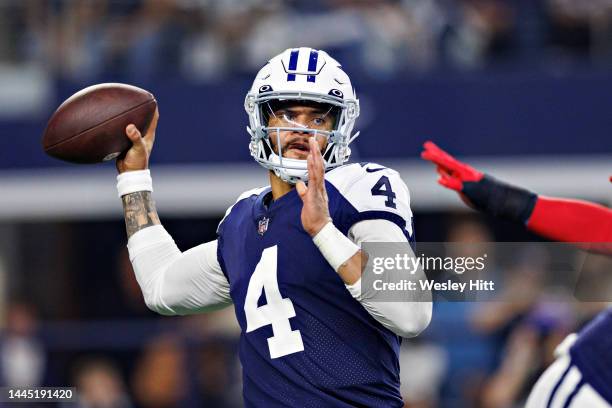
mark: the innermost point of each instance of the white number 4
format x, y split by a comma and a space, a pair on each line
276, 312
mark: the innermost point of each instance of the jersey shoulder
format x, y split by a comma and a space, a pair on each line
255, 192
372, 188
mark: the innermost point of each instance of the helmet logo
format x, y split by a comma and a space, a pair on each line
265, 88
292, 69
336, 92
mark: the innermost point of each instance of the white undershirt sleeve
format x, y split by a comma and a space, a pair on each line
406, 318
175, 282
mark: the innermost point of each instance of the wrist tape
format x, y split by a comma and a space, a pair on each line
133, 181
334, 246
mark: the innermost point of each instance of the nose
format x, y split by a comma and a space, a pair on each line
301, 131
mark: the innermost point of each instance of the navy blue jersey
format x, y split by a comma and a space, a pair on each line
305, 341
592, 354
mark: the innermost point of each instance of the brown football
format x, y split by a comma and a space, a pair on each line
89, 127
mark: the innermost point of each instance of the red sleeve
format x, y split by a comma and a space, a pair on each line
566, 220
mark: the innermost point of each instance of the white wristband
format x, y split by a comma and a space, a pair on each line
133, 181
335, 247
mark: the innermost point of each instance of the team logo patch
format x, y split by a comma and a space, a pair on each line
262, 227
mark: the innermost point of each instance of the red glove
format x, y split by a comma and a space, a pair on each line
453, 173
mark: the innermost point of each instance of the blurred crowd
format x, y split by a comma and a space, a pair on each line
208, 40
192, 363
94, 332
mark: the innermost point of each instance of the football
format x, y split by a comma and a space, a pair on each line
89, 127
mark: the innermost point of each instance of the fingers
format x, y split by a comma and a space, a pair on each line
450, 182
433, 153
429, 145
448, 179
448, 164
138, 141
134, 135
432, 157
301, 189
312, 176
316, 149
433, 148
316, 168
149, 138
438, 156
443, 171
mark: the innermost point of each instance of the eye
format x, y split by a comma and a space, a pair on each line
318, 121
289, 115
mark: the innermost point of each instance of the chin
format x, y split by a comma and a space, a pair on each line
296, 155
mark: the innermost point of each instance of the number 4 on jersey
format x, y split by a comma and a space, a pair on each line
378, 190
276, 312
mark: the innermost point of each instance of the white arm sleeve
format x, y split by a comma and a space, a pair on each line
175, 283
407, 318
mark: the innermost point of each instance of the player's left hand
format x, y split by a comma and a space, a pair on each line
315, 212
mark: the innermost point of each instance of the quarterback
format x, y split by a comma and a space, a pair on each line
287, 255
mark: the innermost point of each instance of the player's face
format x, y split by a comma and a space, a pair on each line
294, 143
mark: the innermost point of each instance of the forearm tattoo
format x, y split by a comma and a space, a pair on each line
139, 210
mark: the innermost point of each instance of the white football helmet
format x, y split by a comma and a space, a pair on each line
301, 74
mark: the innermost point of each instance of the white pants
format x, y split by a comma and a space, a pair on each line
561, 385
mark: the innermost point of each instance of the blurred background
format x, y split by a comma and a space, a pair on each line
520, 89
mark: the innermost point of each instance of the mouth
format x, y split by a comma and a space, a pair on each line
298, 147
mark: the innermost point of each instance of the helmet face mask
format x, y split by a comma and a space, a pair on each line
323, 86
283, 114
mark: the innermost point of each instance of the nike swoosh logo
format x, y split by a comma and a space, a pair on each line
374, 170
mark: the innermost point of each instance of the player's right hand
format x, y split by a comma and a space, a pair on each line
453, 173
137, 157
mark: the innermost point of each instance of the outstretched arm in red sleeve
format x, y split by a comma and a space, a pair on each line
571, 220
557, 219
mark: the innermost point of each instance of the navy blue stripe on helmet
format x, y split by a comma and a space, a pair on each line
312, 64
293, 59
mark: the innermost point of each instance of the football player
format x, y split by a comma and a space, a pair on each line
582, 374
287, 255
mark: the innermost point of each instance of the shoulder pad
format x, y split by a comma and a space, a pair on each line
373, 187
